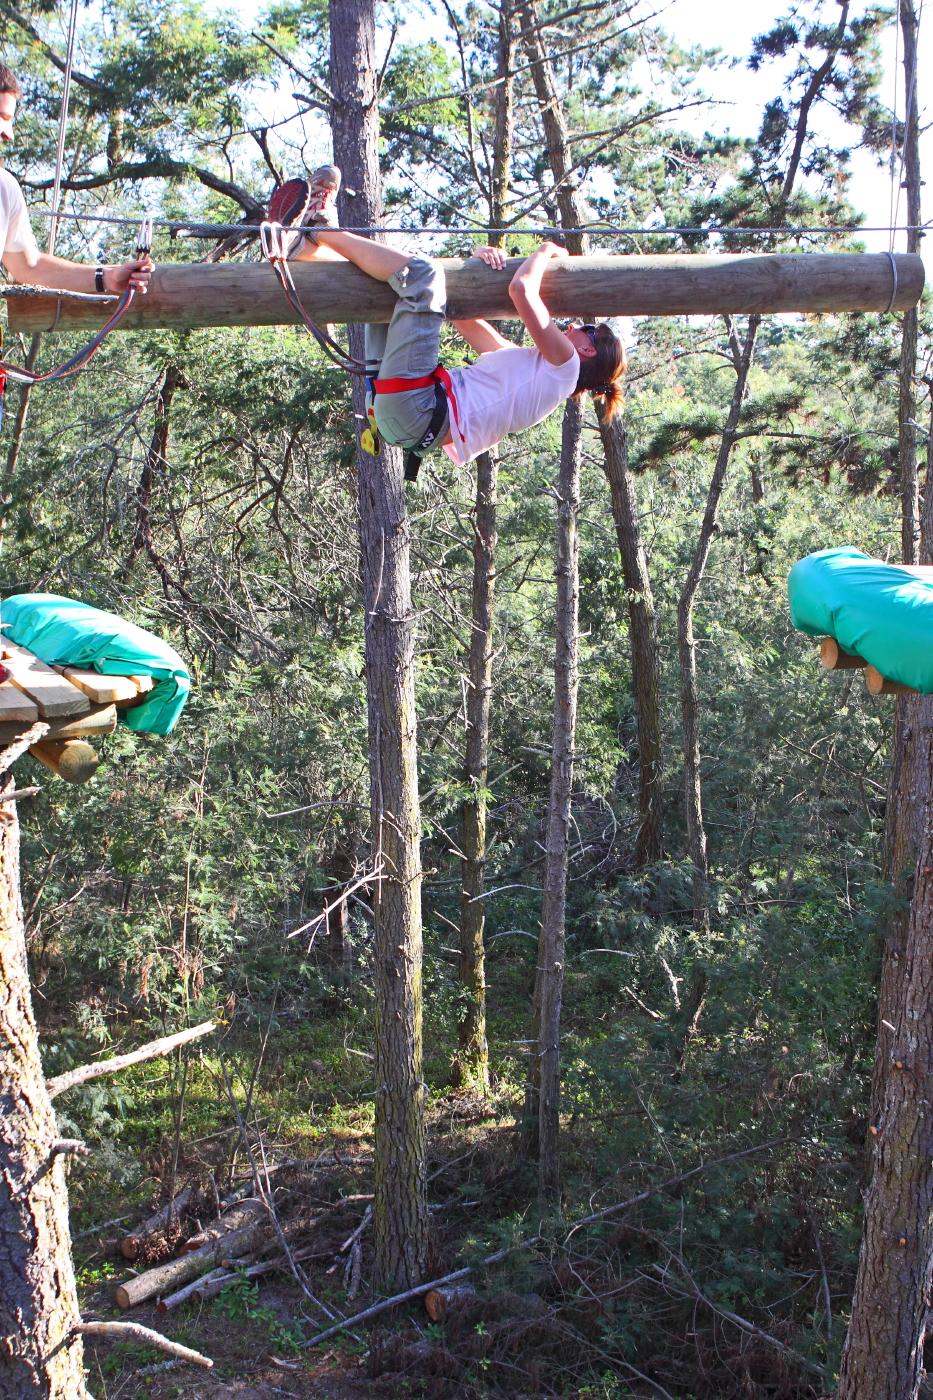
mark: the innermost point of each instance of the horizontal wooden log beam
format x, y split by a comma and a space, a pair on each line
186, 295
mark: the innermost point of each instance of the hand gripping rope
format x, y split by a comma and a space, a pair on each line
78, 361
271, 238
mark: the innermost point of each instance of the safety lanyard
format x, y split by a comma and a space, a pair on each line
28, 376
270, 239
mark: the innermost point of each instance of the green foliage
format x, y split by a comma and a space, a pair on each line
239, 1302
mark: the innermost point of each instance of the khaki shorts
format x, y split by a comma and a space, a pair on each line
407, 348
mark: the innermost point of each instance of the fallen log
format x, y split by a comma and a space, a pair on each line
120, 1331
214, 1282
185, 295
132, 1243
438, 1302
171, 1275
233, 1219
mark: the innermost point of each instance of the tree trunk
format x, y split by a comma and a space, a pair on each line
686, 646
549, 980
471, 1065
906, 408
646, 681
883, 1351
400, 1218
471, 1062
908, 784
643, 638
41, 1357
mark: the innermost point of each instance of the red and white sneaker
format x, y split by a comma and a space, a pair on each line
323, 187
300, 203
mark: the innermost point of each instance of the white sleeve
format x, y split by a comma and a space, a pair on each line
19, 235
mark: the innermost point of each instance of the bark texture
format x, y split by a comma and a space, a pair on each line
471, 1065
400, 1218
549, 980
883, 1352
40, 1359
643, 636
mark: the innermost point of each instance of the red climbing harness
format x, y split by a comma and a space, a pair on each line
424, 381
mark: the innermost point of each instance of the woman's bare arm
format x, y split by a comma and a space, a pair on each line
525, 294
481, 336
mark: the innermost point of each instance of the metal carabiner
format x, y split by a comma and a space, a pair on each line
144, 237
270, 240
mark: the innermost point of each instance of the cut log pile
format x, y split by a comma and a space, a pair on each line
198, 1255
834, 658
75, 704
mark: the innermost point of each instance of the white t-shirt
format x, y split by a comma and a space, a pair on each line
16, 235
503, 392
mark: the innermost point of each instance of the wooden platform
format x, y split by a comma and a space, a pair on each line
74, 703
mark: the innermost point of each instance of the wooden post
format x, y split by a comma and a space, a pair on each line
835, 659
186, 295
880, 685
74, 760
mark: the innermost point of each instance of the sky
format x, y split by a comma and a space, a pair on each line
731, 25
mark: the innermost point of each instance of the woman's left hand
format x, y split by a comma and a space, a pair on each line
492, 257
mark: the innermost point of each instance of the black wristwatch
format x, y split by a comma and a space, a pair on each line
99, 281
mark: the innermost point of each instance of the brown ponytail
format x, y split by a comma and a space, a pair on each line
601, 373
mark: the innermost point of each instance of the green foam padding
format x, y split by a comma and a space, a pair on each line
882, 612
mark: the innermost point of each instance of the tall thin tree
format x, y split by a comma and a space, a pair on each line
400, 1200
471, 1062
883, 1352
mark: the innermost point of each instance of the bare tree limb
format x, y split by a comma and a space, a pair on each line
167, 1043
134, 1331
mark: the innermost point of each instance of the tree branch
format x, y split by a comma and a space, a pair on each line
83, 1073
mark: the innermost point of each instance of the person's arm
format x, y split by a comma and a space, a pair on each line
481, 336
525, 294
45, 270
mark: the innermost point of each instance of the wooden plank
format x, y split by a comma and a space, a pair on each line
54, 695
17, 707
100, 689
185, 295
143, 684
100, 720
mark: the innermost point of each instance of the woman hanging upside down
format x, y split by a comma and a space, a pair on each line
507, 389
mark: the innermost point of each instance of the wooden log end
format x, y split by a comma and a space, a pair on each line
122, 1297
880, 685
129, 1247
834, 658
74, 760
438, 1302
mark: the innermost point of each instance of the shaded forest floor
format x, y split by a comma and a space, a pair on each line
638, 1306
